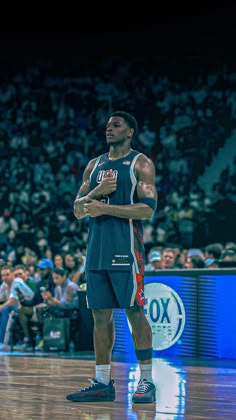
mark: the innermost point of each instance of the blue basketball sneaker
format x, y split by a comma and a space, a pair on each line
145, 392
96, 391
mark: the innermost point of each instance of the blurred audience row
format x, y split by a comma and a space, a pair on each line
213, 256
30, 287
27, 295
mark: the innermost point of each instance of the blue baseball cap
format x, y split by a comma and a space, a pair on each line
155, 256
45, 263
209, 262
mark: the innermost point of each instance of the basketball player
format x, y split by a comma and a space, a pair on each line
117, 192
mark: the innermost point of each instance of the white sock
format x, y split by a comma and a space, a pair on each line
103, 373
146, 372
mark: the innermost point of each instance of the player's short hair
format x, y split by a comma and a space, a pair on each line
129, 118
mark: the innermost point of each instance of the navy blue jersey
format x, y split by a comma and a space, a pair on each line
116, 243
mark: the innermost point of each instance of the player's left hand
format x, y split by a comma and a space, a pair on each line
93, 208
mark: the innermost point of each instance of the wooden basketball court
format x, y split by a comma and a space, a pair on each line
34, 387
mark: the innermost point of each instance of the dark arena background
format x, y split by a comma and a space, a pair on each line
54, 104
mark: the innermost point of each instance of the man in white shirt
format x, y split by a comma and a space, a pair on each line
10, 290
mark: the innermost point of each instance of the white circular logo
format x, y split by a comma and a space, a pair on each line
166, 314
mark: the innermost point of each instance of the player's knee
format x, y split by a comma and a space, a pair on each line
102, 317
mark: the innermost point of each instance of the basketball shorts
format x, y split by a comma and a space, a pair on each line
114, 289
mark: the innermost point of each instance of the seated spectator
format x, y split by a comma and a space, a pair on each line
211, 263
74, 264
36, 306
154, 260
168, 258
58, 261
195, 251
228, 259
65, 297
195, 261
230, 246
10, 291
65, 293
32, 272
214, 251
21, 272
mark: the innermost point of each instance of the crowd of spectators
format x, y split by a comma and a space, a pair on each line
31, 291
52, 122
